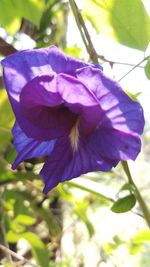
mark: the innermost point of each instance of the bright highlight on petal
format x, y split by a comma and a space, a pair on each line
74, 136
70, 112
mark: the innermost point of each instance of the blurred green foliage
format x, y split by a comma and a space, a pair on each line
12, 12
27, 214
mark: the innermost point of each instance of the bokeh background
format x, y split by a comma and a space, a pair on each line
74, 226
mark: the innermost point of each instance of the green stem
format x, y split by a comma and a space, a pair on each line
138, 196
74, 11
137, 65
18, 257
84, 32
89, 190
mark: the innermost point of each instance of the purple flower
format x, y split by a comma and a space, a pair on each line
71, 112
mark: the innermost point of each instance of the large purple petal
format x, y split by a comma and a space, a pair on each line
49, 106
43, 115
119, 111
23, 66
64, 164
28, 148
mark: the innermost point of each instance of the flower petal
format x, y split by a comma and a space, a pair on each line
64, 164
23, 66
114, 144
119, 111
42, 106
28, 148
80, 100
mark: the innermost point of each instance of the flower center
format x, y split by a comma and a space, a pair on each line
74, 136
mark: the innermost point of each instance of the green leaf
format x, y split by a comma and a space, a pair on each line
52, 224
10, 177
39, 250
81, 210
142, 236
73, 51
8, 16
23, 214
127, 187
6, 122
30, 9
124, 204
6, 176
25, 219
131, 23
82, 215
147, 69
11, 13
16, 227
45, 19
12, 237
10, 154
133, 96
125, 21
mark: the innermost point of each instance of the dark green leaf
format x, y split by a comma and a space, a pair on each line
10, 153
45, 19
124, 204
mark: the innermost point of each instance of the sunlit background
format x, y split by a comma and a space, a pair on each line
73, 226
